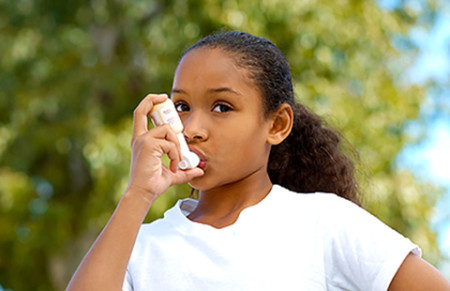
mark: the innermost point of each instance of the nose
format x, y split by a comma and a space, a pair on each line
195, 127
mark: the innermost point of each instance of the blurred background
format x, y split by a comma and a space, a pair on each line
71, 73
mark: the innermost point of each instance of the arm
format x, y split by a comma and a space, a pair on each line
417, 274
104, 266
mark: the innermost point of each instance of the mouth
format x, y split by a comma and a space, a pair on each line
202, 165
203, 161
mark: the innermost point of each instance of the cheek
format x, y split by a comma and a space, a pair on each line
241, 145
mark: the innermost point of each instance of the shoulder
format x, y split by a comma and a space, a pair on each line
322, 212
148, 232
341, 217
360, 251
325, 202
155, 235
159, 229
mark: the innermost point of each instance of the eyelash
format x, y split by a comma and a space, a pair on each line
178, 104
182, 107
228, 107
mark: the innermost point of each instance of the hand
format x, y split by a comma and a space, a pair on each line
148, 174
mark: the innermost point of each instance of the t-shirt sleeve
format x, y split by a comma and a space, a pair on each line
363, 252
127, 282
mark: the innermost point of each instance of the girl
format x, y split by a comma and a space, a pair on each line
250, 229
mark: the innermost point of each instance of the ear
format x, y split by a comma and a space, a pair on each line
281, 124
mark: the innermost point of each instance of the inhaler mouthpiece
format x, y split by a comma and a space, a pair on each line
190, 160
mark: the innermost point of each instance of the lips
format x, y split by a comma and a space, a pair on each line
202, 165
203, 161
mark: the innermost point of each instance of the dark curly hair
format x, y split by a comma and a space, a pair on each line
312, 157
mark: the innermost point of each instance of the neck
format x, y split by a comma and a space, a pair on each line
221, 206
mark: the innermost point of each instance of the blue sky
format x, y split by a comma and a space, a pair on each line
429, 159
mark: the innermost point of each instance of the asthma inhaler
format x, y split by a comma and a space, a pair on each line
165, 113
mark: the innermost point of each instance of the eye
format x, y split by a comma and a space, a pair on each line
222, 108
180, 106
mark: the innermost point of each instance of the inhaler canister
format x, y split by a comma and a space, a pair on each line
165, 113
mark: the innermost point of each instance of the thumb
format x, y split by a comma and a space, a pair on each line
187, 175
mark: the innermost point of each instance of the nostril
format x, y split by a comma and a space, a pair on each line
194, 137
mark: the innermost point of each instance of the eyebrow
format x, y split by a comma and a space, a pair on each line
223, 89
174, 90
213, 90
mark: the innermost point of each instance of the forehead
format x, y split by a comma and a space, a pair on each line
215, 64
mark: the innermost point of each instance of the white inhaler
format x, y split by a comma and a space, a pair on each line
165, 113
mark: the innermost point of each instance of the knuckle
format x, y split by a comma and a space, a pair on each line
136, 111
134, 142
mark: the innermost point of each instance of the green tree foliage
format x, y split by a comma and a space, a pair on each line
71, 73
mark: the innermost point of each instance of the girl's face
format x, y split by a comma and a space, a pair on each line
221, 110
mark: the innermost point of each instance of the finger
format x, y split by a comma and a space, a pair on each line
166, 132
140, 119
184, 176
172, 152
193, 173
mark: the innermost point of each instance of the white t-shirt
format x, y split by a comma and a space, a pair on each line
288, 241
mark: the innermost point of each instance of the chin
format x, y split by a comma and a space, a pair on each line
199, 183
205, 182
200, 186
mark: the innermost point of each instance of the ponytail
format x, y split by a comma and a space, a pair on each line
311, 159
